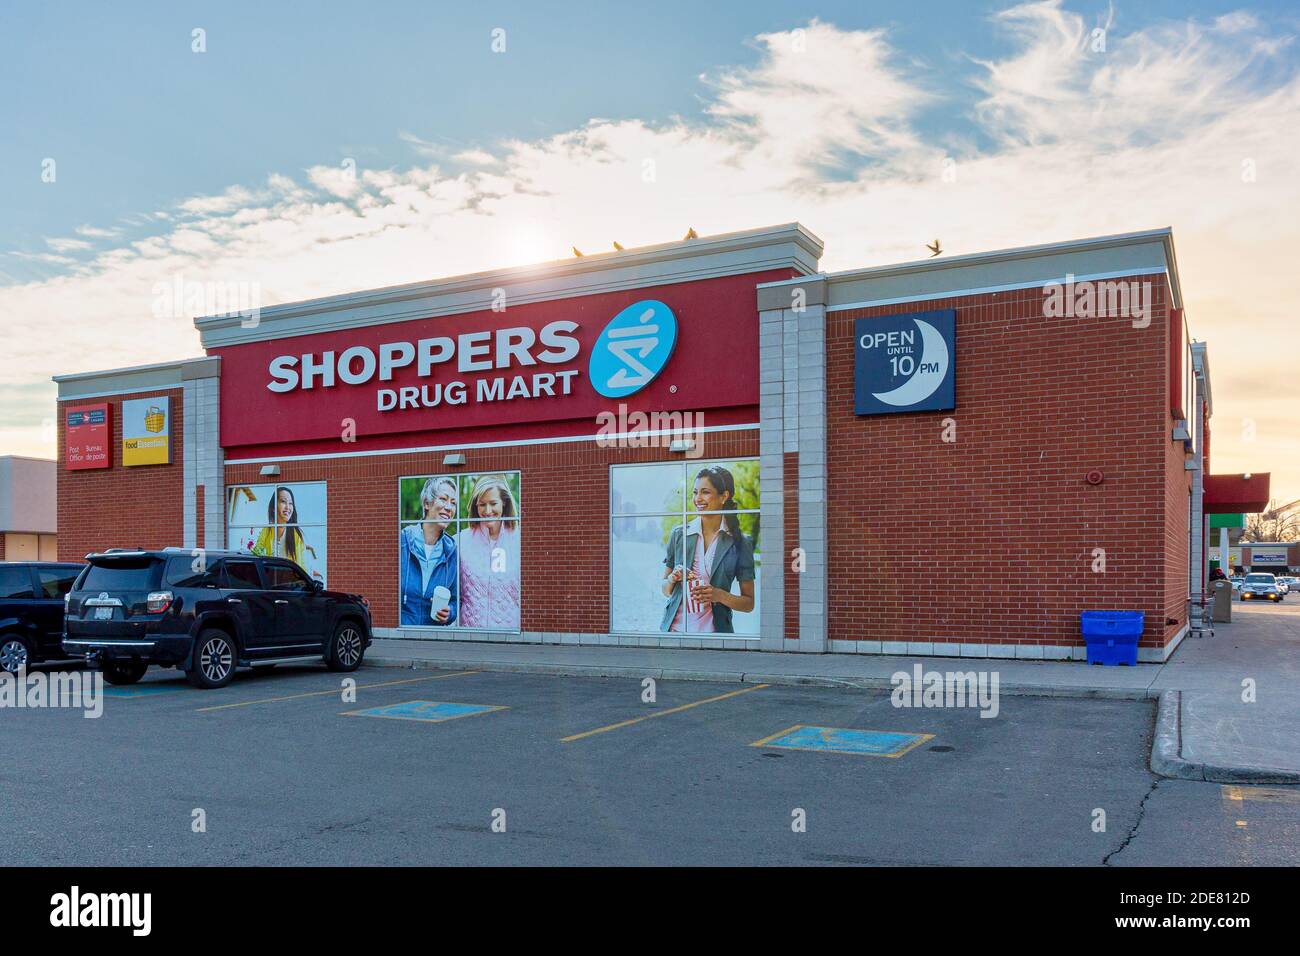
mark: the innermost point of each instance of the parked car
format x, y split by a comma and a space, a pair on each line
1260, 587
207, 616
1283, 587
31, 611
1291, 583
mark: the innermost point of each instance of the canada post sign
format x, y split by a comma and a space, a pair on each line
905, 363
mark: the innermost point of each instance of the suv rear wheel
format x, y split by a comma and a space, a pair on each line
124, 672
346, 647
213, 664
15, 653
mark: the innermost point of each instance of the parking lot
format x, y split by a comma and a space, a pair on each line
281, 770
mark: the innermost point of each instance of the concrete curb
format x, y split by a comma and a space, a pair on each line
735, 677
1167, 753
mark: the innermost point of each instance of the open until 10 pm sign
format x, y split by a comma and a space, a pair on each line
905, 363
146, 432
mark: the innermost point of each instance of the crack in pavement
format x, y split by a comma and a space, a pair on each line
1142, 810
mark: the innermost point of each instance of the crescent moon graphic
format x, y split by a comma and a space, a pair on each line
931, 369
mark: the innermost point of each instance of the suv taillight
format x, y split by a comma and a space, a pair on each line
158, 601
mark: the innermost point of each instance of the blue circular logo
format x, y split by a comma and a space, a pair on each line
633, 349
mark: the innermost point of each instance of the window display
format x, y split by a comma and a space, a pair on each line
280, 520
684, 548
458, 551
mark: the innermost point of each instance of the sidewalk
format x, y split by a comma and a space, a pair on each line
1204, 731
1220, 736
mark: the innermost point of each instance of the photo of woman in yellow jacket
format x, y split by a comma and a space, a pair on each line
282, 538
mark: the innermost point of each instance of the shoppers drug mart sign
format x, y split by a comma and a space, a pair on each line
633, 348
520, 348
905, 363
630, 352
540, 369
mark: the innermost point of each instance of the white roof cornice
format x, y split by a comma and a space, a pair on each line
788, 246
1103, 257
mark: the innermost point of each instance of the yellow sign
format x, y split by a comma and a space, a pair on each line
154, 419
146, 432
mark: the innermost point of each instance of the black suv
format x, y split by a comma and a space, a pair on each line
207, 612
31, 611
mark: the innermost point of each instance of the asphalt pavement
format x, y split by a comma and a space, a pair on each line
279, 769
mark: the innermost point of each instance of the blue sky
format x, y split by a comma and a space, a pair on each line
328, 147
137, 121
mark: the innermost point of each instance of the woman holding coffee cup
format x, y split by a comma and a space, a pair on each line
719, 554
427, 559
488, 546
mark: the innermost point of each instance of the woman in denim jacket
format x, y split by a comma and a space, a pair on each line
427, 558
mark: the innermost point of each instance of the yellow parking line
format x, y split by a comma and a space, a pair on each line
323, 693
660, 713
1236, 794
779, 733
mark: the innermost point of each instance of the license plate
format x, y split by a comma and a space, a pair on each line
103, 614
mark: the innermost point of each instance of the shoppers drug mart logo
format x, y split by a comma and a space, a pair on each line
633, 349
905, 363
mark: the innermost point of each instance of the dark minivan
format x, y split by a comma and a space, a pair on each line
207, 612
31, 611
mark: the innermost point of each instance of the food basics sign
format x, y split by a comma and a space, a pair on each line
146, 431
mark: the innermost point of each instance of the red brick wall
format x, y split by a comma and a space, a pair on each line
990, 539
122, 507
565, 573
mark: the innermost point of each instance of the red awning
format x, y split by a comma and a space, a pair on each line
1229, 494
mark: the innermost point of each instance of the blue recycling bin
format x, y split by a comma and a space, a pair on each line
1112, 636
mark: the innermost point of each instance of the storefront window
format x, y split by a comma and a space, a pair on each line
459, 551
684, 548
286, 521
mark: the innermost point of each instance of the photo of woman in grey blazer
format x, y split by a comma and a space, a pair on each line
699, 571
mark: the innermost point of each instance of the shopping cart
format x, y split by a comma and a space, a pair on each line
1200, 613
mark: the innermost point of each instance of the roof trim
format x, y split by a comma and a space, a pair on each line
786, 246
137, 378
937, 266
1201, 364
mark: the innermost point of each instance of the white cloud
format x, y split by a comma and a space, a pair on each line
67, 245
831, 127
476, 157
96, 232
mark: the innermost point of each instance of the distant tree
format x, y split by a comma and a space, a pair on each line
1276, 523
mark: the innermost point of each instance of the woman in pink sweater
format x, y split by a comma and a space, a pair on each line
489, 558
